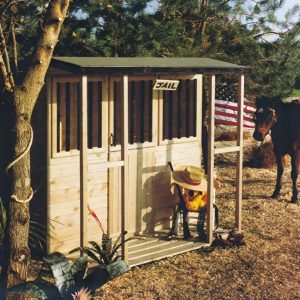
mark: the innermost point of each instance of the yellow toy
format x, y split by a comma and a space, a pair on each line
194, 200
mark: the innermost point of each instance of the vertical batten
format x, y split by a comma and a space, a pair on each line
211, 160
199, 87
124, 157
239, 164
83, 161
54, 127
105, 111
156, 123
110, 127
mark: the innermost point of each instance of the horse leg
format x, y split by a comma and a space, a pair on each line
279, 160
294, 175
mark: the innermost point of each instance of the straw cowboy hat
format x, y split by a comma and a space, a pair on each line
190, 177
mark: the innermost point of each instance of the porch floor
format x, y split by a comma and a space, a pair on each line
153, 247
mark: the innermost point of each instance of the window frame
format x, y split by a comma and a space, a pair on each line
53, 116
199, 86
154, 142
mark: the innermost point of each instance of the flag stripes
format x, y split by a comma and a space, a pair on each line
226, 113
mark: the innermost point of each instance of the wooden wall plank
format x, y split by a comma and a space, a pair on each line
67, 227
69, 195
65, 182
59, 209
92, 157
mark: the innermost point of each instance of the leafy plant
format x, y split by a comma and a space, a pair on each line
101, 253
69, 279
37, 234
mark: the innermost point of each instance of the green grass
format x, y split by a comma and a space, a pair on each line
296, 93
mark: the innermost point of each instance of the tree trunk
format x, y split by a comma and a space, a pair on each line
18, 222
21, 101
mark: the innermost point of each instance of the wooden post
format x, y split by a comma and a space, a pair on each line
211, 159
239, 164
83, 161
124, 157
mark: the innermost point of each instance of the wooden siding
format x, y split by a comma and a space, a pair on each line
64, 201
150, 204
150, 201
146, 205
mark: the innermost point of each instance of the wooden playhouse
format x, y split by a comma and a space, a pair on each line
104, 137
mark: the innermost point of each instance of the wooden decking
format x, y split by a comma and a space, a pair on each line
150, 248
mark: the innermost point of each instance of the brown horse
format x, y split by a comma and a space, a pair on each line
283, 120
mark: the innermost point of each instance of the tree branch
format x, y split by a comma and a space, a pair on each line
35, 75
6, 59
14, 43
269, 33
4, 73
5, 6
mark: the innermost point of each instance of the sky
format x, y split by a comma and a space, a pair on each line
288, 4
152, 6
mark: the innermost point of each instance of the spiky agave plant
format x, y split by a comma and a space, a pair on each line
104, 253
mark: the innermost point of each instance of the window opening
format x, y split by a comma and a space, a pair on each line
179, 111
68, 115
139, 112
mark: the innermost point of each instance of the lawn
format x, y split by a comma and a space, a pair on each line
297, 92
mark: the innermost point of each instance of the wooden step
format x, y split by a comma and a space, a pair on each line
151, 249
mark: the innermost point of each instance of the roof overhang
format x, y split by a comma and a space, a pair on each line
143, 65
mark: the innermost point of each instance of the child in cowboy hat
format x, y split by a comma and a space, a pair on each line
194, 184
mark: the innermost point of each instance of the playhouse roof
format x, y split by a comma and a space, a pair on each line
142, 65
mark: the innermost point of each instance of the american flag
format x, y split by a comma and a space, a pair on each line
226, 113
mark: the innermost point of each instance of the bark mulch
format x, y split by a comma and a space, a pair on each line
267, 267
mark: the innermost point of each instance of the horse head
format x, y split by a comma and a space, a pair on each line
265, 117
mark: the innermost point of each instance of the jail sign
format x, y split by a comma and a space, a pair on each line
166, 85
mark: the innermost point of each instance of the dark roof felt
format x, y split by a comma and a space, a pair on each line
142, 65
